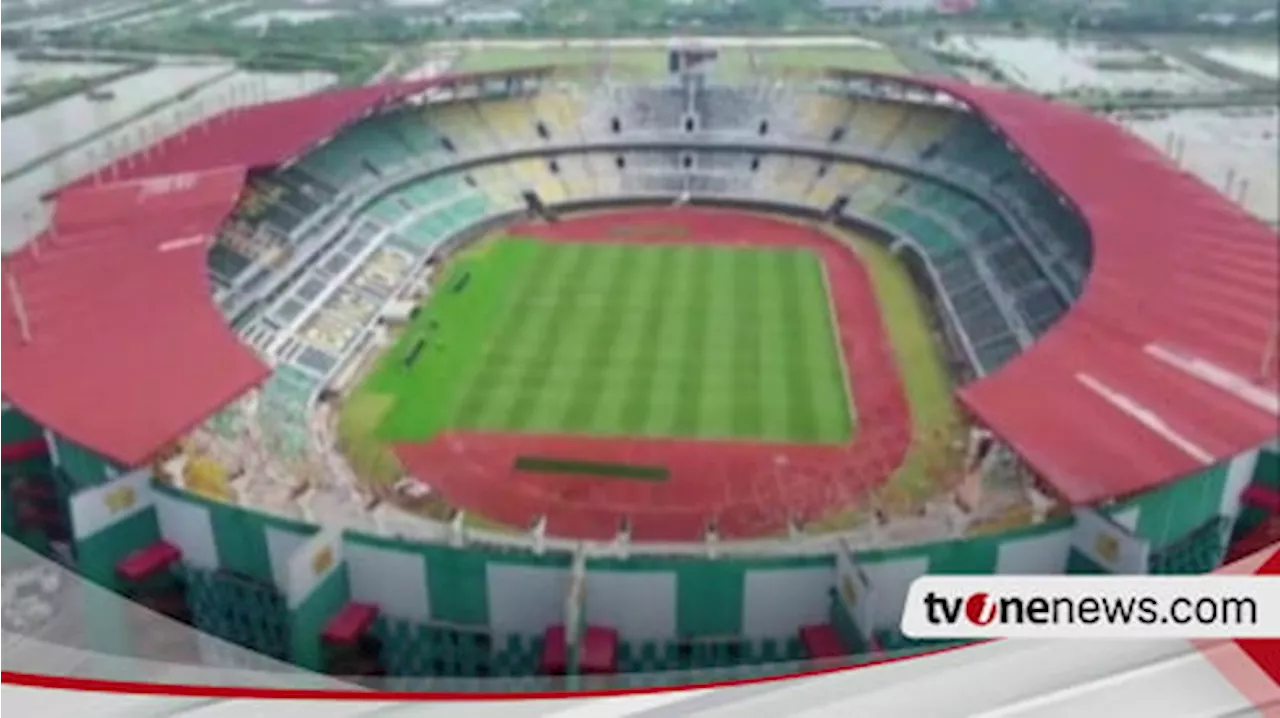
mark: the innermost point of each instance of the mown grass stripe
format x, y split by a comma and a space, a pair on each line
603, 331
687, 420
714, 355
458, 326
542, 331
662, 397
748, 415
800, 409
486, 377
772, 347
625, 406
672, 340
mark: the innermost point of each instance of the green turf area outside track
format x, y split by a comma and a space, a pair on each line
592, 469
660, 340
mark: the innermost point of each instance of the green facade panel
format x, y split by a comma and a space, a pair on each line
84, 467
1267, 472
709, 598
1174, 511
97, 555
710, 593
457, 585
16, 427
1079, 563
307, 620
241, 541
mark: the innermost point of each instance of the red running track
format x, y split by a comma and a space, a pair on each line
747, 488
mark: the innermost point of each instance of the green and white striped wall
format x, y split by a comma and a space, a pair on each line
648, 597
213, 535
508, 592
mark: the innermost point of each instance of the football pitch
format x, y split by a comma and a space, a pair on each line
674, 340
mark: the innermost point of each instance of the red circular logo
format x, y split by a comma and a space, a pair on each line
980, 609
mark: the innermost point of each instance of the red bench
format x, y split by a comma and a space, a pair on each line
598, 651
822, 641
1262, 497
148, 561
349, 624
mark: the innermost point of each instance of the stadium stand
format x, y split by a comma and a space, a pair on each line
535, 174
331, 268
558, 111
731, 109
456, 123
509, 121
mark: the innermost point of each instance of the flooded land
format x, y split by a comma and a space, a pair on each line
61, 141
1233, 148
1236, 151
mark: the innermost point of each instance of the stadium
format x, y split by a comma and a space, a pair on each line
550, 372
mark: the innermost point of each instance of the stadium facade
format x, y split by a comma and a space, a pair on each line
1110, 319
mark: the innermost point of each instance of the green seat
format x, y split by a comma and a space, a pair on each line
769, 651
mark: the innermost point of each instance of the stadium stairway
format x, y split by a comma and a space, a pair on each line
282, 409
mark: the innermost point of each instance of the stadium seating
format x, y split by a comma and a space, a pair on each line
873, 126
511, 122
605, 177
416, 649
812, 117
458, 122
559, 112
661, 656
1199, 552
535, 174
731, 109
238, 609
650, 109
418, 137
577, 176
919, 130
339, 162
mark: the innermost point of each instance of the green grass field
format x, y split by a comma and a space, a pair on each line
637, 63
924, 378
869, 59
649, 63
675, 340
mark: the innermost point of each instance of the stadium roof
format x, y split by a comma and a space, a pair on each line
256, 136
124, 349
272, 133
1158, 370
1154, 373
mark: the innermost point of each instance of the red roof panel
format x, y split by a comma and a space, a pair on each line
126, 349
188, 194
255, 136
1177, 267
271, 133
